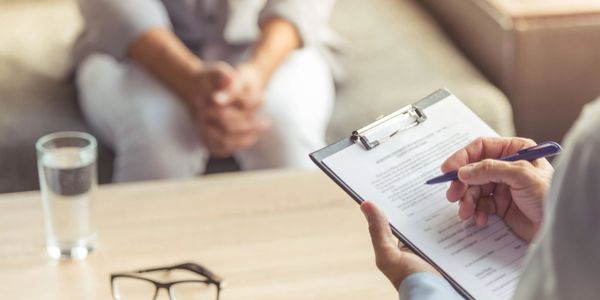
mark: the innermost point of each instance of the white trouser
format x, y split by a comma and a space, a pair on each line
154, 136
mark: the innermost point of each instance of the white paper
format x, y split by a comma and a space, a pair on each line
485, 261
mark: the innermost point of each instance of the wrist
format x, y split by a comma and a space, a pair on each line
410, 272
426, 286
161, 53
189, 88
418, 275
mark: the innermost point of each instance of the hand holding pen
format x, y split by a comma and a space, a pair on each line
532, 153
513, 188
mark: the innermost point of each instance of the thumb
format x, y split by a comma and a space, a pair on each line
221, 78
495, 171
222, 97
252, 101
221, 75
379, 229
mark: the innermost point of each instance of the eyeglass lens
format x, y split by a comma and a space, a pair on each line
193, 291
125, 288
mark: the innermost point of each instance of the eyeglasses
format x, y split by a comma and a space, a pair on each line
174, 279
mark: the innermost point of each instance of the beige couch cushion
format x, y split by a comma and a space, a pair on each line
35, 96
398, 54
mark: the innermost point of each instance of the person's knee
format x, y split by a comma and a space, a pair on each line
287, 144
94, 70
293, 116
301, 92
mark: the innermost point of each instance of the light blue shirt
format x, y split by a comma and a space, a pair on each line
427, 286
564, 260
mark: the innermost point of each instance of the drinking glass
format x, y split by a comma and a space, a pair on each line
67, 171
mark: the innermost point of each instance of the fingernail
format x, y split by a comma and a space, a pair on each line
362, 209
221, 98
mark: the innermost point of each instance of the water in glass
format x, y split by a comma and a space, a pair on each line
68, 180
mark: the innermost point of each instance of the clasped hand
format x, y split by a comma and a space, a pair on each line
514, 191
226, 104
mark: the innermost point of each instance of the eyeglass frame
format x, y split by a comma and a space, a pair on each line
211, 278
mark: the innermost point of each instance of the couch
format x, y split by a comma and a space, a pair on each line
396, 54
544, 55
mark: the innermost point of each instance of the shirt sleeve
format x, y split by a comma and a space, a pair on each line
114, 24
426, 286
310, 17
564, 262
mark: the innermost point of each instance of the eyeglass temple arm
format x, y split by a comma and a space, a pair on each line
193, 267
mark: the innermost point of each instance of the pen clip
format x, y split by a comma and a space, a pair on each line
553, 147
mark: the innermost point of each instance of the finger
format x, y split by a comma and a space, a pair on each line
542, 163
214, 138
517, 144
403, 247
485, 147
221, 74
503, 198
225, 135
233, 121
251, 101
471, 153
236, 129
246, 124
468, 202
379, 229
222, 98
456, 191
235, 92
221, 145
211, 138
515, 174
236, 144
472, 196
485, 207
222, 81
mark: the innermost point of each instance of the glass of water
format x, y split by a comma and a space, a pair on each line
67, 170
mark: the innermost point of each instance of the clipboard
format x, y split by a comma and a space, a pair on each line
375, 135
378, 134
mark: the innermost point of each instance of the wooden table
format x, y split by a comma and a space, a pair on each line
270, 235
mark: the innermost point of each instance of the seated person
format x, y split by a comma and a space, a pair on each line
169, 83
557, 214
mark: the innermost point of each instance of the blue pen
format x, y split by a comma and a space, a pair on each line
544, 149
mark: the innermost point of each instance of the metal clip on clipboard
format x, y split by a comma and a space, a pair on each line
385, 128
